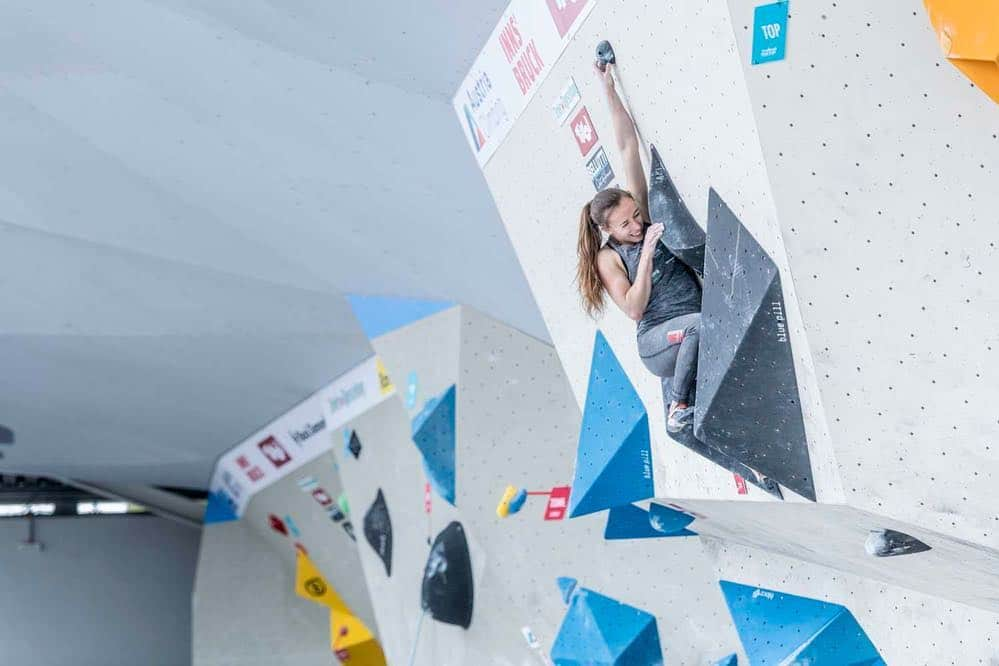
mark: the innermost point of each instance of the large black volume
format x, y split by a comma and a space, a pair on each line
747, 392
447, 579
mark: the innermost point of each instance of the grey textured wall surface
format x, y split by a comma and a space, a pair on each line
245, 610
105, 591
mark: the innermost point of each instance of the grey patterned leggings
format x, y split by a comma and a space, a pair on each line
669, 351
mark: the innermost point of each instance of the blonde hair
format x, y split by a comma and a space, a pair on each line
592, 218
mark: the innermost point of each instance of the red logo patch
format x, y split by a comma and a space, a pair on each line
674, 337
274, 451
584, 132
558, 502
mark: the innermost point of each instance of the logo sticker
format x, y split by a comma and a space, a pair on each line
274, 452
584, 132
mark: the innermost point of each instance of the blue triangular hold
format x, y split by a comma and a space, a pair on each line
603, 631
566, 586
731, 660
632, 522
669, 521
614, 458
219, 509
774, 626
434, 435
381, 314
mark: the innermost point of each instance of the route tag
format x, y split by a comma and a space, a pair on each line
769, 32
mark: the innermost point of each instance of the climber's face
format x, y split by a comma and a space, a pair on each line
624, 222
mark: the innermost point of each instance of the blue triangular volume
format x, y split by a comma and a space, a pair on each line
614, 457
731, 660
632, 522
669, 521
842, 641
219, 509
774, 626
600, 630
381, 314
566, 586
434, 435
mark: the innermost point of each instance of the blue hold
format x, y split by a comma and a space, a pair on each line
632, 522
731, 660
219, 509
566, 586
669, 521
602, 631
381, 314
775, 627
434, 436
614, 457
517, 502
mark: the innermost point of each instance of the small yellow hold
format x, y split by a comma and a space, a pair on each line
503, 508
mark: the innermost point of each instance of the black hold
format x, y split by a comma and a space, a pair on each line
348, 527
748, 404
686, 438
681, 233
605, 55
889, 543
378, 530
336, 515
447, 579
6, 435
354, 446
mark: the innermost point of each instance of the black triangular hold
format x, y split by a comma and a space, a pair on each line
378, 530
6, 435
747, 400
355, 445
681, 233
447, 578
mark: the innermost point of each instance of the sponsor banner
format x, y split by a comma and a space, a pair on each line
300, 435
517, 57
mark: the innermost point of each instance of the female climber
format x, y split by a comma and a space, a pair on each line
640, 274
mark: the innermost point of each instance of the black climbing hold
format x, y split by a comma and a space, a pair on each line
348, 527
681, 233
378, 530
722, 459
6, 435
748, 404
889, 543
354, 446
447, 578
605, 55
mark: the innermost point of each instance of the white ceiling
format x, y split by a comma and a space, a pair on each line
186, 189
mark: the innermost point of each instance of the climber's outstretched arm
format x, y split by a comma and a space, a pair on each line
627, 141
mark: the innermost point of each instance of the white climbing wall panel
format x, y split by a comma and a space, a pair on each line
883, 162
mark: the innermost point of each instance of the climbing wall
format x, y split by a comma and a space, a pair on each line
883, 159
305, 510
685, 89
906, 627
244, 607
863, 168
516, 420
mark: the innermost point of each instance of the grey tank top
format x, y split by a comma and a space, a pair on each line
675, 289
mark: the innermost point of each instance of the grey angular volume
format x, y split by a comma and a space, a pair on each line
747, 391
681, 233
